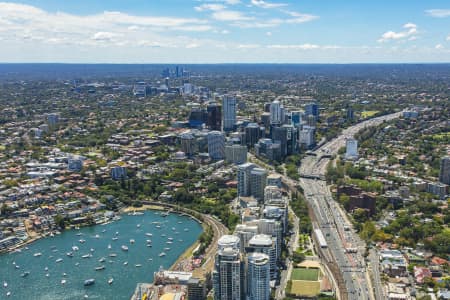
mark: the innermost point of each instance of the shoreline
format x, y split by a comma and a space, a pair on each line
126, 210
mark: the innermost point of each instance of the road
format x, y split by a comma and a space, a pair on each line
353, 278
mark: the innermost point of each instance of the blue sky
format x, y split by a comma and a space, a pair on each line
225, 31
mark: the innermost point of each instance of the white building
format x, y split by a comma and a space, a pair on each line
273, 228
258, 276
228, 241
228, 275
216, 145
307, 137
351, 148
229, 112
245, 232
263, 243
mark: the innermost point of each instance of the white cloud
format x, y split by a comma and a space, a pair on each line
230, 15
104, 36
409, 33
439, 46
265, 4
209, 6
248, 46
268, 33
258, 24
19, 19
300, 47
232, 2
298, 17
225, 31
448, 38
192, 45
438, 13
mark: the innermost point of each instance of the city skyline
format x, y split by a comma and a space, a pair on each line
228, 31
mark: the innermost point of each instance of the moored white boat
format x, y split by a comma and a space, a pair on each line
90, 281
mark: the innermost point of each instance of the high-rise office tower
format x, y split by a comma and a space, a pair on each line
350, 114
444, 172
216, 145
312, 109
276, 117
197, 117
258, 180
269, 149
258, 276
287, 136
214, 120
53, 119
229, 112
296, 118
187, 143
243, 176
253, 132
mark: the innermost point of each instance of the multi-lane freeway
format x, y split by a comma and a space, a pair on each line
344, 251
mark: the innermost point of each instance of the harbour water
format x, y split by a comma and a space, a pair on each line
46, 271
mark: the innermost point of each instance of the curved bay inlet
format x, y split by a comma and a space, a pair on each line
117, 255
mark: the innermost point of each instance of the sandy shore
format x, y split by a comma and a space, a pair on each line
142, 208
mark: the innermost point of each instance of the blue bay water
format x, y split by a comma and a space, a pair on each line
182, 230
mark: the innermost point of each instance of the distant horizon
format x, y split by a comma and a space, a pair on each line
224, 63
224, 31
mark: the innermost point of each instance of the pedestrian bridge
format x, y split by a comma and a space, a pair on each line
313, 176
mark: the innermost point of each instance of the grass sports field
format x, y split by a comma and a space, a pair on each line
305, 274
368, 113
305, 288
